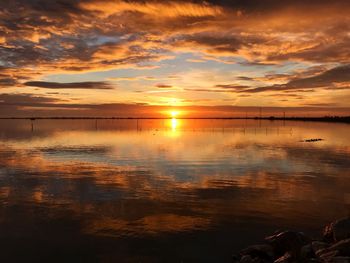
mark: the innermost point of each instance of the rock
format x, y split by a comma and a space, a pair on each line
286, 258
317, 246
295, 247
343, 247
247, 259
306, 252
235, 259
328, 233
340, 260
264, 252
321, 251
339, 251
251, 259
327, 256
288, 241
337, 230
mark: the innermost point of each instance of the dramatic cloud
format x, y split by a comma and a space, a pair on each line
330, 79
168, 9
249, 46
20, 100
75, 85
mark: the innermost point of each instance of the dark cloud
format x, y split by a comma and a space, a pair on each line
245, 78
257, 63
224, 88
232, 87
10, 77
285, 95
320, 104
29, 100
74, 85
6, 82
300, 90
13, 103
216, 42
163, 86
327, 79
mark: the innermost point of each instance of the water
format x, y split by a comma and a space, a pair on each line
164, 190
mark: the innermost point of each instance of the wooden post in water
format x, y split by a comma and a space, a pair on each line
32, 123
260, 116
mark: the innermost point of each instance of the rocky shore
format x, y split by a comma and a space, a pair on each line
295, 247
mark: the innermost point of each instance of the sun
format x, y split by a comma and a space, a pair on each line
174, 114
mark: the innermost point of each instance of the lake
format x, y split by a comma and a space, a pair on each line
164, 190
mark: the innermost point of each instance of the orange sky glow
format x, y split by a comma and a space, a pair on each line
153, 58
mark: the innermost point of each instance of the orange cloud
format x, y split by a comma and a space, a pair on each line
169, 9
99, 35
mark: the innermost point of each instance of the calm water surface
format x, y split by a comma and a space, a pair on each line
164, 190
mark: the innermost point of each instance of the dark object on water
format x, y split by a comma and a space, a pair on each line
313, 140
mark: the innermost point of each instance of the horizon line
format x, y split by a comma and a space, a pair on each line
334, 118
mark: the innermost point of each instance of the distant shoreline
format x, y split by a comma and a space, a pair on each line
339, 119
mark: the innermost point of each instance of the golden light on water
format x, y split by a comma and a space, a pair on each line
174, 120
174, 123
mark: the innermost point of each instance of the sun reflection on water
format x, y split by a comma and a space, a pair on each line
173, 124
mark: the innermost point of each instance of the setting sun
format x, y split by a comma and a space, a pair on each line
174, 114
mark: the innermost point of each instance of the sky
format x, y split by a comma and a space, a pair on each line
148, 58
